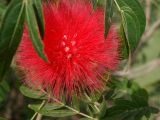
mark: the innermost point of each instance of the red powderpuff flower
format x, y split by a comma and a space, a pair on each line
78, 55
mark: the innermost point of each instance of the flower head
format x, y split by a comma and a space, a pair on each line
78, 55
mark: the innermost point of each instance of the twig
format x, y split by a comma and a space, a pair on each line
74, 110
144, 69
36, 113
39, 117
157, 117
148, 12
146, 37
150, 31
70, 108
95, 106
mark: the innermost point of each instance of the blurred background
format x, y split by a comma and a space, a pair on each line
144, 69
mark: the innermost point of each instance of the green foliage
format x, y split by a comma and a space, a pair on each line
2, 118
108, 15
33, 27
36, 94
10, 34
94, 2
2, 9
119, 88
85, 119
133, 109
46, 107
103, 109
133, 21
130, 102
124, 47
4, 89
53, 110
37, 5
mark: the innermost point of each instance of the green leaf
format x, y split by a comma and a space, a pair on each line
154, 110
33, 29
52, 110
133, 20
2, 118
94, 97
11, 33
4, 90
2, 9
124, 49
125, 110
37, 5
85, 119
140, 97
108, 94
131, 24
119, 88
46, 107
94, 3
103, 109
130, 101
108, 15
133, 109
75, 102
36, 94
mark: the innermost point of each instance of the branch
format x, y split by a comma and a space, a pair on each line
39, 117
148, 12
146, 37
138, 71
70, 108
36, 113
151, 30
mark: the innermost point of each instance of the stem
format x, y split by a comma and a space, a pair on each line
72, 109
117, 5
80, 113
39, 117
126, 68
76, 111
40, 107
93, 103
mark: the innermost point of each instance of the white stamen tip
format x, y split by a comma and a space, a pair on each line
69, 56
63, 43
73, 43
65, 37
66, 49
